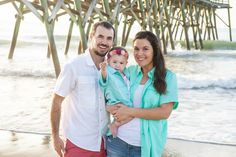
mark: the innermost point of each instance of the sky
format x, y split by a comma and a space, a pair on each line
26, 25
223, 13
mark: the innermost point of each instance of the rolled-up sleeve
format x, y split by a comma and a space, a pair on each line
171, 94
65, 82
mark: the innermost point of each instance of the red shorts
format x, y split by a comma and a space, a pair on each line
72, 150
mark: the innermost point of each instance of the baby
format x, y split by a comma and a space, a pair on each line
115, 82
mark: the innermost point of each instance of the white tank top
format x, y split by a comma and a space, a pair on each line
130, 132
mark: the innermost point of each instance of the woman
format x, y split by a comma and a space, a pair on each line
154, 95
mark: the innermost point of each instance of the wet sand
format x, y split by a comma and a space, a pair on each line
182, 148
33, 145
25, 145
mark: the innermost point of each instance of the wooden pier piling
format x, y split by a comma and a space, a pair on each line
19, 17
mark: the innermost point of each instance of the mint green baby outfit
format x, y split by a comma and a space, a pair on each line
115, 88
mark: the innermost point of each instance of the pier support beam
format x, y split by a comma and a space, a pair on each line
230, 31
68, 39
19, 17
185, 26
51, 40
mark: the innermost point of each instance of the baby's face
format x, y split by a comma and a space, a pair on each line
118, 62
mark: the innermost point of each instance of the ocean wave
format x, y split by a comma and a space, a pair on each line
39, 40
184, 82
203, 83
32, 74
211, 45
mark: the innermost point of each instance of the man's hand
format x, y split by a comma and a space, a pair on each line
59, 146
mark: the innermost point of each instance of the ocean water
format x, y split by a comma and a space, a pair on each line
207, 95
206, 82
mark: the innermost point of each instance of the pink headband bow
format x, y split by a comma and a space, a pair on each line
118, 52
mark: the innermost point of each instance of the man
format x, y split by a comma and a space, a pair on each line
85, 118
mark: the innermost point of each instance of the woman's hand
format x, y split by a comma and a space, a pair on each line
112, 109
122, 113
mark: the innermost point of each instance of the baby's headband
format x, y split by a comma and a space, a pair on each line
118, 51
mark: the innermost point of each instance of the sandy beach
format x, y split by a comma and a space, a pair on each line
181, 148
33, 145
25, 145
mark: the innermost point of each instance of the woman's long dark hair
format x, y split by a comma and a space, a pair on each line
158, 60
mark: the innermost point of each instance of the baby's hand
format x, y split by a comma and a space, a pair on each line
103, 70
103, 66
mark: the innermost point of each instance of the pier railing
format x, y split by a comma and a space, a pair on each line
215, 3
220, 1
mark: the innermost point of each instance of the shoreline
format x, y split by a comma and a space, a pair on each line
27, 145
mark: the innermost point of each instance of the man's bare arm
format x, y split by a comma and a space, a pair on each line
55, 124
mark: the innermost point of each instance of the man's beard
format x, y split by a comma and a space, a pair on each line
100, 54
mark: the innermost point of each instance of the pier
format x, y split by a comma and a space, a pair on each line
172, 20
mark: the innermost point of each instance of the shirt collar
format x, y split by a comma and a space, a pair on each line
89, 59
150, 73
113, 71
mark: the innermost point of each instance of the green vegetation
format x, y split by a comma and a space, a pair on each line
213, 45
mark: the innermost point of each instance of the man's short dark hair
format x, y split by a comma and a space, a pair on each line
105, 24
